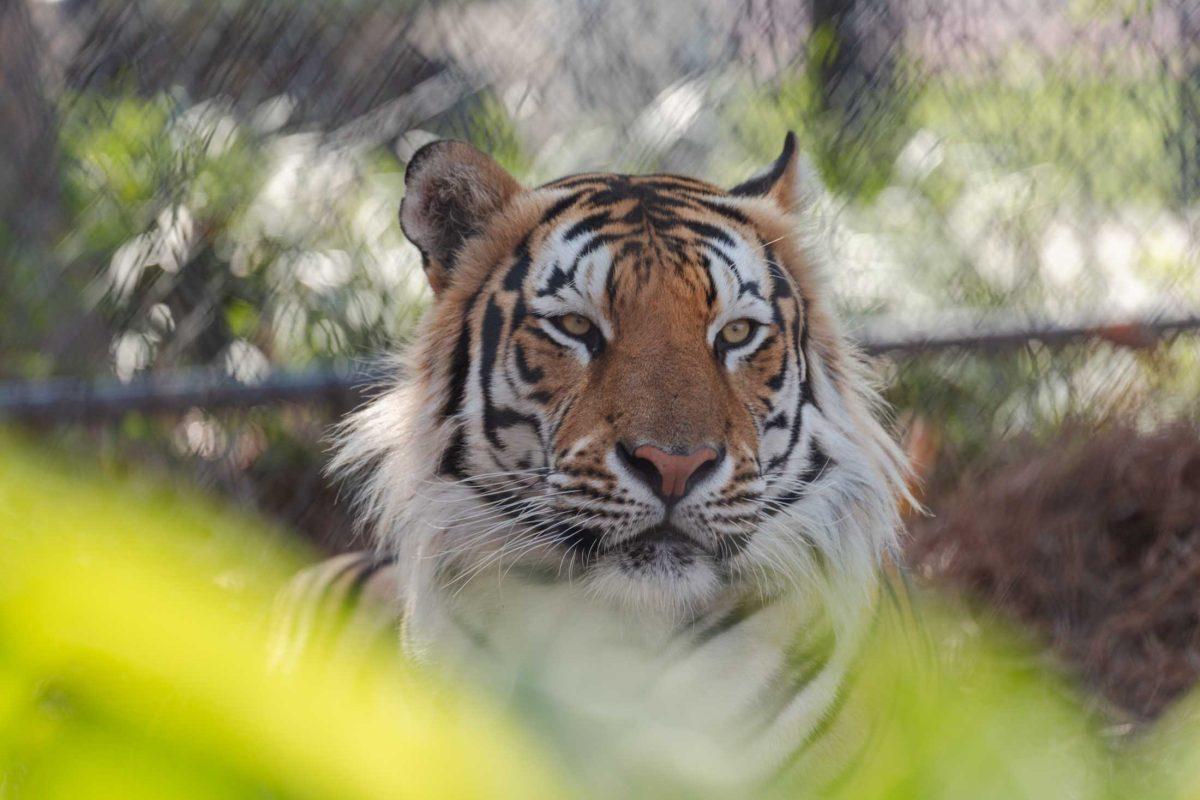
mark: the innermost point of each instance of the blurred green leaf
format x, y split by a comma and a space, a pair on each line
133, 617
133, 664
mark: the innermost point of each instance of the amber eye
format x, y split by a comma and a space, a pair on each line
736, 332
575, 324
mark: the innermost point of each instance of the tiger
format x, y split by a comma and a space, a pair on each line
628, 419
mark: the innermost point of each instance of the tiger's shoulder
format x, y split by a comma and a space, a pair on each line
345, 603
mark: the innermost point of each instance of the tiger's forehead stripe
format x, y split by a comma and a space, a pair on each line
642, 222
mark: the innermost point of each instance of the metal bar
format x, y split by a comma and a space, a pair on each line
69, 399
997, 336
63, 399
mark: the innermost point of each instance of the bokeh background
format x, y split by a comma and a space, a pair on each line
200, 256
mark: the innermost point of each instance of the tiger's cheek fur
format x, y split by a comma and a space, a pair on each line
547, 376
756, 380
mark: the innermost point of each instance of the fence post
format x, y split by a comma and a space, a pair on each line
862, 105
1187, 137
28, 163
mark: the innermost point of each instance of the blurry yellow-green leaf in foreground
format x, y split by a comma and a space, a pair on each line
133, 664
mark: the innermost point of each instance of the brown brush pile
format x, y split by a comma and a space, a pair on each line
1093, 541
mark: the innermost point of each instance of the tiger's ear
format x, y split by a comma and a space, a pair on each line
450, 191
789, 181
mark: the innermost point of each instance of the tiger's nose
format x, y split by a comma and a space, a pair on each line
669, 475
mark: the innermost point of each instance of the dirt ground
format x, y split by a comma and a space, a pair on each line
1094, 543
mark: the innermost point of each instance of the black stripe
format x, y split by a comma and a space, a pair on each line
529, 375
588, 224
558, 278
819, 463
452, 457
707, 231
718, 208
500, 417
781, 285
520, 267
666, 182
775, 382
726, 623
495, 417
490, 334
460, 366
779, 290
572, 181
582, 541
710, 293
799, 334
766, 342
592, 246
535, 330
799, 670
553, 212
369, 571
756, 187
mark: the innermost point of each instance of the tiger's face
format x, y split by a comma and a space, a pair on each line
633, 381
630, 379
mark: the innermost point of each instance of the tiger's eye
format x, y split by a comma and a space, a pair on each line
575, 324
737, 331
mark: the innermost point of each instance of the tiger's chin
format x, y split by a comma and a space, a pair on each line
656, 574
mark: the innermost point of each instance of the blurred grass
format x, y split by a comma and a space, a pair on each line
132, 664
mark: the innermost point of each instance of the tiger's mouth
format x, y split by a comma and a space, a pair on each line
661, 568
663, 532
663, 540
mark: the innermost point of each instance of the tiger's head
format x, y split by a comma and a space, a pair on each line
629, 383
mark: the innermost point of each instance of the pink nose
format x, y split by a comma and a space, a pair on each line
674, 471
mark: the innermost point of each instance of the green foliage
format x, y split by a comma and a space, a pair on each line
275, 248
856, 156
1017, 117
133, 664
1029, 120
487, 125
128, 159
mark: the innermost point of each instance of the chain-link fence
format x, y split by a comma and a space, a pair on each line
198, 200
